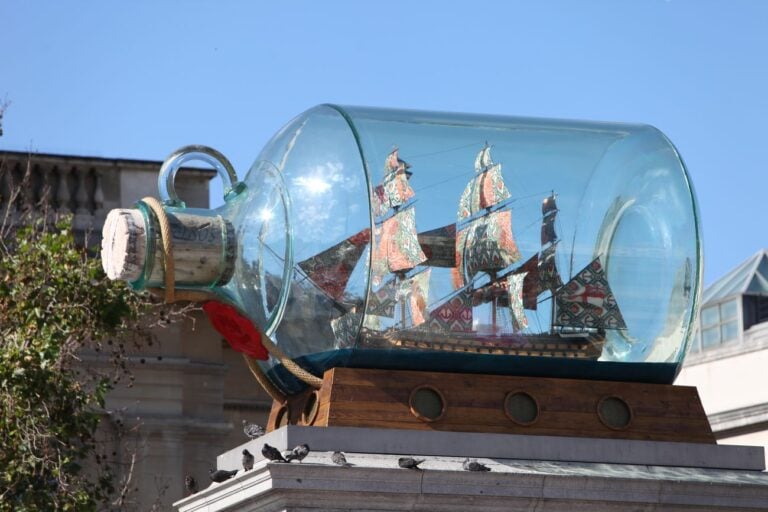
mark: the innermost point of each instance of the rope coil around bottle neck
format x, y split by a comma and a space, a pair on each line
172, 295
263, 380
170, 292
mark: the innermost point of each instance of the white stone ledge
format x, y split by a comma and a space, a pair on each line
505, 446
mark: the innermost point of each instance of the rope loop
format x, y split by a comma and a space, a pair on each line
172, 295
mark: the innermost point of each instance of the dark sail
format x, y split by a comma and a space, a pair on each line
439, 246
549, 277
548, 234
499, 289
330, 270
548, 205
531, 282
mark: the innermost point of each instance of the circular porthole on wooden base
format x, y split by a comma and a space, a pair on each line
282, 417
427, 403
311, 407
614, 412
521, 408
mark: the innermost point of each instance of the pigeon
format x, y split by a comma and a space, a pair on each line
339, 459
191, 484
272, 453
473, 465
248, 459
221, 475
409, 462
298, 453
252, 430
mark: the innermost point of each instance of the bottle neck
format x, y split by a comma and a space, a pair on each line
202, 244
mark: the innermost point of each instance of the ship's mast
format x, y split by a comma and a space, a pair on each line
395, 252
487, 244
548, 263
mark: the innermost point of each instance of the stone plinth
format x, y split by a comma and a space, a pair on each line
527, 473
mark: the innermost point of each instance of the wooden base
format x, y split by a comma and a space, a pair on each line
498, 404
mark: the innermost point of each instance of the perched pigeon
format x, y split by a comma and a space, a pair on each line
252, 430
248, 459
191, 484
339, 459
298, 453
409, 462
272, 453
221, 475
473, 465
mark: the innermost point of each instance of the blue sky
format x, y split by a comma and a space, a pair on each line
139, 79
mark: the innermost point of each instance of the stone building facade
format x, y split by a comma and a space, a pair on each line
191, 391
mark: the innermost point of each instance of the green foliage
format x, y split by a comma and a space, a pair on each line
56, 308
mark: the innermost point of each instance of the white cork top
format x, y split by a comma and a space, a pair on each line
123, 244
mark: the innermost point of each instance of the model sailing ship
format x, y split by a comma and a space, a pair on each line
484, 259
485, 272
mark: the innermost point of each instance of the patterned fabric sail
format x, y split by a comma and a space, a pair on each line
486, 189
397, 190
345, 329
416, 290
398, 248
515, 283
330, 270
486, 243
453, 315
489, 244
587, 301
382, 301
458, 276
483, 158
379, 201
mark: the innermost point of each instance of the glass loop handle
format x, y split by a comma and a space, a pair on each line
165, 181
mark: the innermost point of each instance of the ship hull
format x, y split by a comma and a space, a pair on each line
581, 346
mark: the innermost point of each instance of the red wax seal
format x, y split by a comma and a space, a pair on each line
239, 332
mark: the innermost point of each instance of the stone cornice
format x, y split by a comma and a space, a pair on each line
92, 161
376, 483
150, 423
166, 363
734, 420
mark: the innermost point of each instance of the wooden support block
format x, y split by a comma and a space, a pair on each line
500, 404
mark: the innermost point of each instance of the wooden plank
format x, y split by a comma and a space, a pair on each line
474, 403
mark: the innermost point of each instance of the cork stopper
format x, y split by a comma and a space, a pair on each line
123, 244
204, 248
